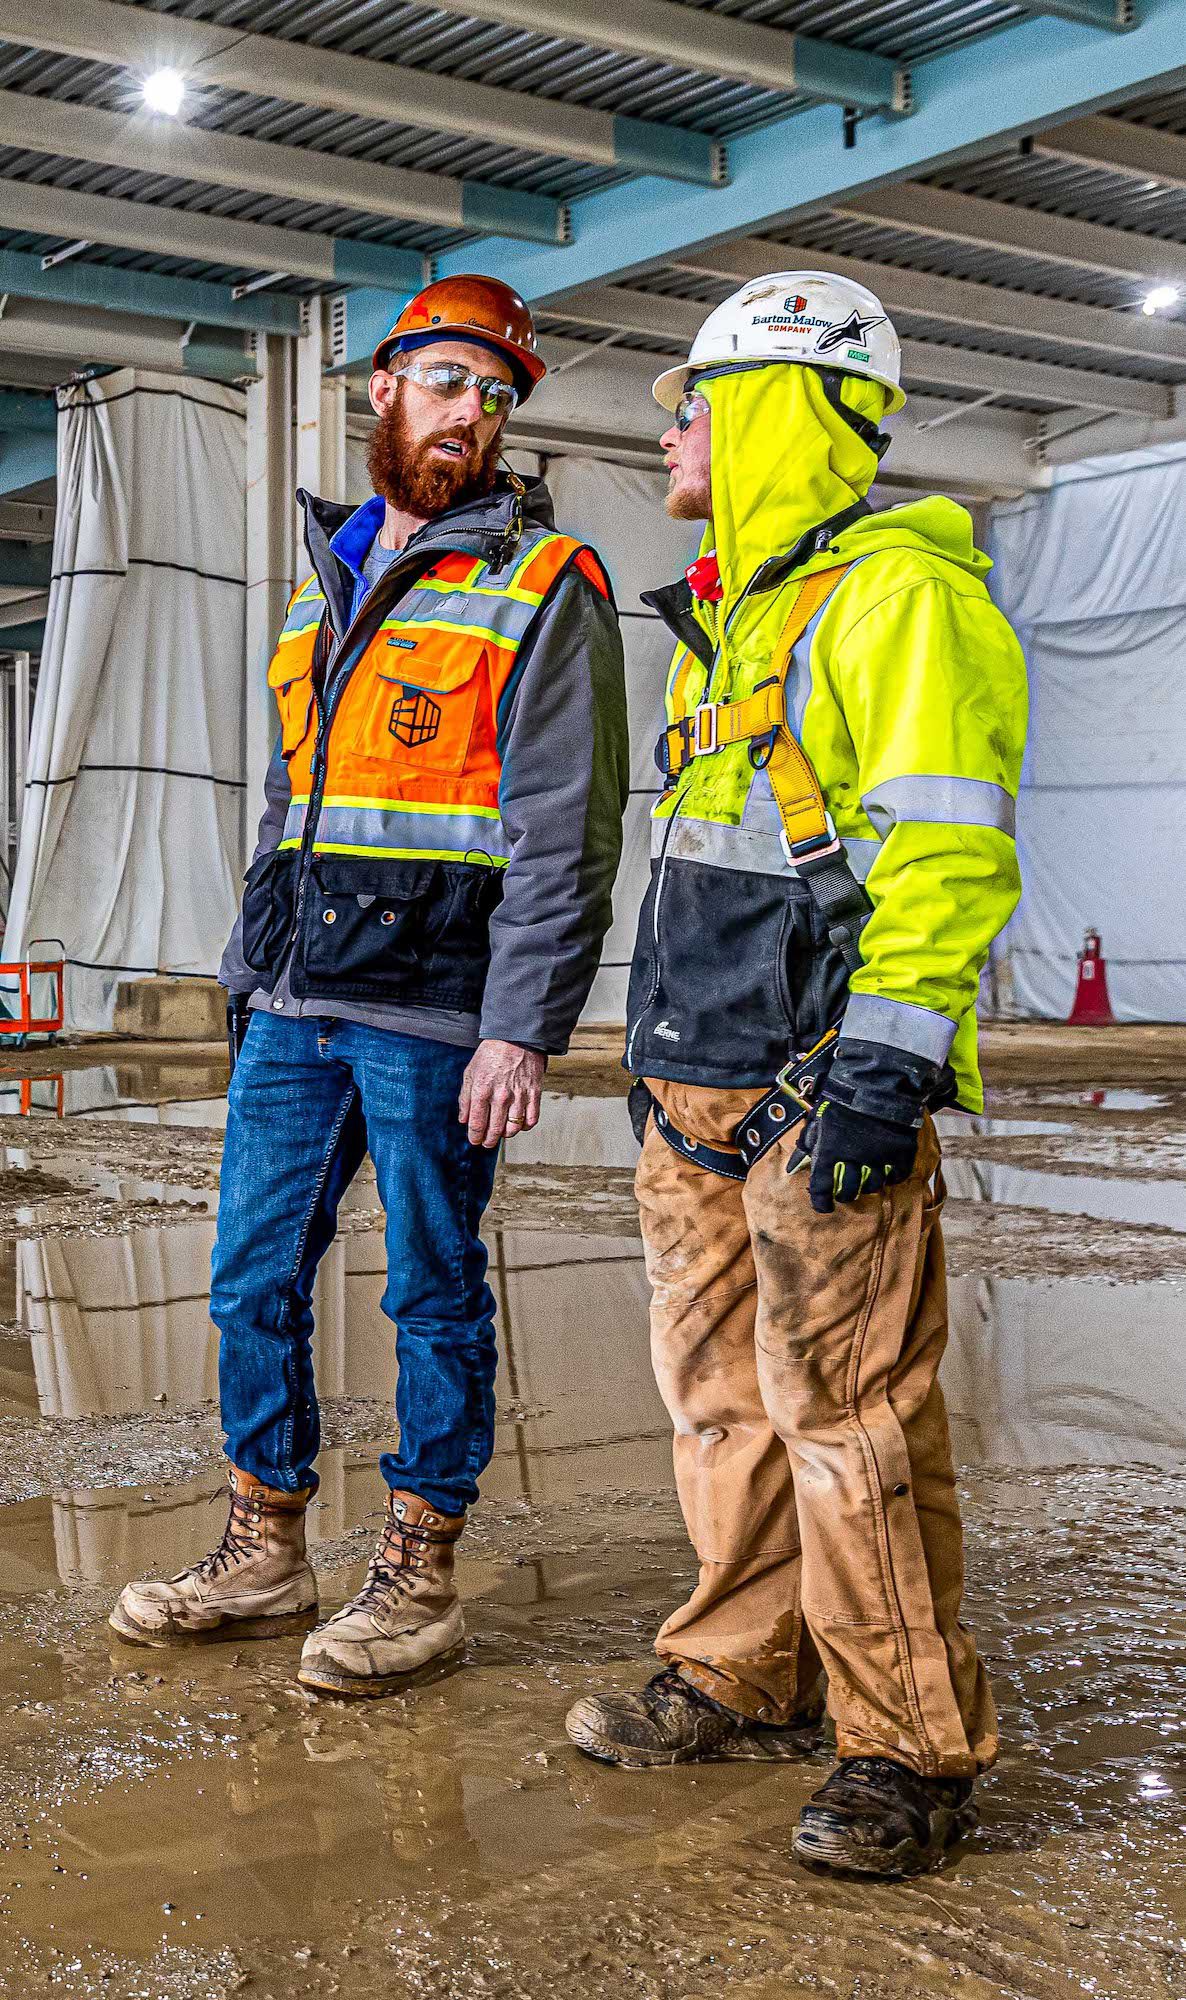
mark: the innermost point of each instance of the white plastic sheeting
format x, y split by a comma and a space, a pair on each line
130, 842
1092, 575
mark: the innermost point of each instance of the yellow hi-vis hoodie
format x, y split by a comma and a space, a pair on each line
907, 692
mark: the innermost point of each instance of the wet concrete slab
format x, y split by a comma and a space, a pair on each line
180, 1822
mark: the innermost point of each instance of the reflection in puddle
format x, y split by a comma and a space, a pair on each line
190, 1800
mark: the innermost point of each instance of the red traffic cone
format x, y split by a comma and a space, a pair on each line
1092, 1008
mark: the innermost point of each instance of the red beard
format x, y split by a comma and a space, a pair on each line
403, 471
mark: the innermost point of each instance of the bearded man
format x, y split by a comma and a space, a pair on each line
420, 928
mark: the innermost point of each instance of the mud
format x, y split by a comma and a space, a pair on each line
176, 1823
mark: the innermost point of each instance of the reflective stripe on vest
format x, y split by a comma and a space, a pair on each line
412, 761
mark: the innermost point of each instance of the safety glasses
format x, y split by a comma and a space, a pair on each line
690, 406
448, 381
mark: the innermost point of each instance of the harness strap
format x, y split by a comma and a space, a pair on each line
788, 1099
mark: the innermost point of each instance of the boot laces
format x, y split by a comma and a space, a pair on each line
396, 1565
240, 1538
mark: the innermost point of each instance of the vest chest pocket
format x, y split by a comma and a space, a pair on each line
417, 703
290, 677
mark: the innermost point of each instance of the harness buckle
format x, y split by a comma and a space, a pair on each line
699, 748
817, 848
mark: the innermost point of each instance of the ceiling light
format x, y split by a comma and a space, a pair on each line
1159, 298
164, 91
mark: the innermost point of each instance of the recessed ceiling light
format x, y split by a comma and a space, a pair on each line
164, 91
1159, 298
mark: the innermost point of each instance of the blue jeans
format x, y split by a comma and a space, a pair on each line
307, 1101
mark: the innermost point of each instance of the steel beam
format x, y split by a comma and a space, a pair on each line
212, 239
147, 144
979, 96
21, 411
1116, 146
144, 293
677, 321
23, 638
24, 565
26, 458
716, 44
958, 301
946, 216
298, 73
1117, 15
84, 337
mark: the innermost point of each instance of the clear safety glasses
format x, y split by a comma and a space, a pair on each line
448, 381
690, 406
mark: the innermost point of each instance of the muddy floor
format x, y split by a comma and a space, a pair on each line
175, 1824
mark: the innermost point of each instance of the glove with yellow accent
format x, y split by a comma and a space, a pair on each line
853, 1154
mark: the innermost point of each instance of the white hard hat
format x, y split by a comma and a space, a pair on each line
809, 317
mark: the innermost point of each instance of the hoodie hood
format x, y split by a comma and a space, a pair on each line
783, 462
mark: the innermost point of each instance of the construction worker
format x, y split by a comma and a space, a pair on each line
834, 849
420, 928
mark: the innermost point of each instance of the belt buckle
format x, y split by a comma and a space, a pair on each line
700, 748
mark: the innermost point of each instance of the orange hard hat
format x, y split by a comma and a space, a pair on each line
469, 308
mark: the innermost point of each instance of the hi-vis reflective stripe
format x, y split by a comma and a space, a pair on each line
750, 850
402, 830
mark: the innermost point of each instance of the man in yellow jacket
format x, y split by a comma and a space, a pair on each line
833, 856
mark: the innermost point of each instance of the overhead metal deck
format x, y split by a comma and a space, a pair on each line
625, 162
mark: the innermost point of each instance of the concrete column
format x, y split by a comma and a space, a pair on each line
270, 568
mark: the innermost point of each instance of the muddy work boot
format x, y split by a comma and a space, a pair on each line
875, 1817
670, 1722
406, 1616
255, 1585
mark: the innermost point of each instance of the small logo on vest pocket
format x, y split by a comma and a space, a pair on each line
405, 645
415, 718
666, 1031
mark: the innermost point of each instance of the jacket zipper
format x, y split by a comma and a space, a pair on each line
335, 688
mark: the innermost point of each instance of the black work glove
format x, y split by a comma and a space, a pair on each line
237, 1017
853, 1154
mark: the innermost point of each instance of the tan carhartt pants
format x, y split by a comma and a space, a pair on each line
797, 1354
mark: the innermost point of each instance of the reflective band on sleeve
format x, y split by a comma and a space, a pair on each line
950, 801
870, 1017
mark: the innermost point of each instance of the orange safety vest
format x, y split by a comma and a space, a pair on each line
412, 764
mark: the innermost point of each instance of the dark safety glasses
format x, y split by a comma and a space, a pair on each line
448, 381
690, 406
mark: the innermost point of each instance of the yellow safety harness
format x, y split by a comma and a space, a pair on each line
761, 720
812, 848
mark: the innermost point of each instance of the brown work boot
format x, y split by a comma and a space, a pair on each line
255, 1585
407, 1614
671, 1722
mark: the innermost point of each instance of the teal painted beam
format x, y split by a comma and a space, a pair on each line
104, 285
25, 565
1117, 15
26, 458
983, 94
23, 638
670, 151
217, 363
532, 218
21, 411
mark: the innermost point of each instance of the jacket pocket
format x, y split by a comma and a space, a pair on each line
291, 680
268, 897
368, 920
420, 705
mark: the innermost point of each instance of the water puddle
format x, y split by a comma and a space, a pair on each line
158, 1809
